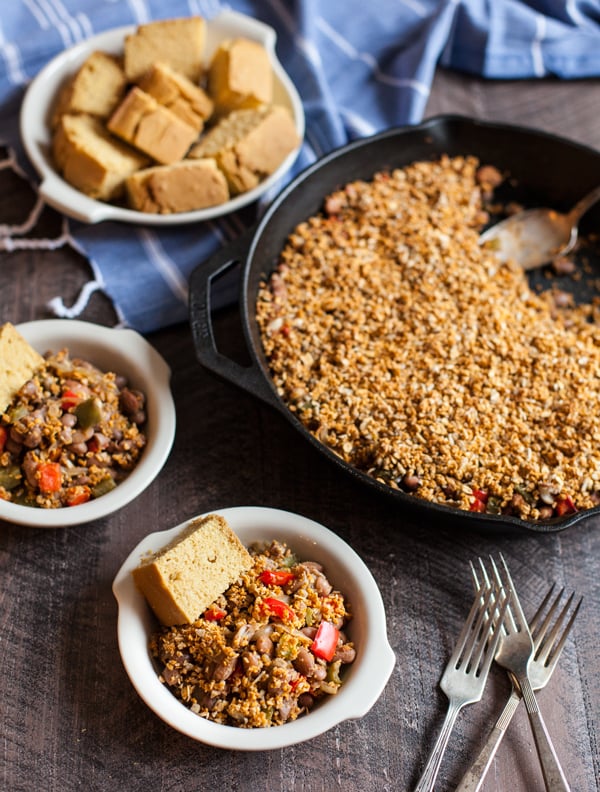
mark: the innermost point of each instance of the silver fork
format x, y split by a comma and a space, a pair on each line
548, 645
465, 675
515, 652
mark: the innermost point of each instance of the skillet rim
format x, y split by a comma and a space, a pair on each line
419, 507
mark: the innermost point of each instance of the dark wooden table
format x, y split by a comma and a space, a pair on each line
69, 717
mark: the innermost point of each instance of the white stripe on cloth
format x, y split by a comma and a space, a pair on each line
574, 13
53, 21
140, 11
163, 264
72, 22
12, 56
536, 46
366, 57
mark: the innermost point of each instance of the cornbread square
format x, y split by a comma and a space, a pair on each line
18, 361
177, 42
152, 128
179, 94
182, 187
249, 144
96, 88
91, 159
240, 76
185, 577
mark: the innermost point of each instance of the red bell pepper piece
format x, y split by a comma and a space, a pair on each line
279, 609
564, 505
3, 437
69, 399
214, 613
49, 477
325, 641
77, 495
276, 577
479, 502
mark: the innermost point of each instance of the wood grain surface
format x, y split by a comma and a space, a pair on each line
69, 717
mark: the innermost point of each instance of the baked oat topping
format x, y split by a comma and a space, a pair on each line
410, 351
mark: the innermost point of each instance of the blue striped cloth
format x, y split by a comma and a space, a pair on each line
359, 67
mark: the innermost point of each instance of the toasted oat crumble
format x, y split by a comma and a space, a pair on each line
419, 359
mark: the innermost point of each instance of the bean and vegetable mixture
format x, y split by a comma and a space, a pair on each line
410, 351
71, 434
266, 650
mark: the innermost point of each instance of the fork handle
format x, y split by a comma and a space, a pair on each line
432, 767
554, 778
473, 778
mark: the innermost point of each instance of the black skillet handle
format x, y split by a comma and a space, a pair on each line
249, 378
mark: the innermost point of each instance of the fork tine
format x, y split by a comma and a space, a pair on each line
471, 629
540, 634
487, 649
538, 614
485, 635
474, 576
515, 613
549, 652
484, 573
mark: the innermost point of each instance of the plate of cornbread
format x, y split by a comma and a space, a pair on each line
169, 122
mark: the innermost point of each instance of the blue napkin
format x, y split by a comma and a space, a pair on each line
359, 67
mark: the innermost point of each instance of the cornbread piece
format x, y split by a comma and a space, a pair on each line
185, 577
240, 75
249, 144
179, 94
152, 128
91, 159
182, 187
178, 42
96, 88
18, 361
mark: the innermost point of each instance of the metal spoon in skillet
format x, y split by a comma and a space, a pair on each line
536, 236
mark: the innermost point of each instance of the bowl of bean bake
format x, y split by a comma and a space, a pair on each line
402, 349
280, 684
88, 430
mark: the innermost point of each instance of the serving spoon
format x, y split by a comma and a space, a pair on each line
536, 236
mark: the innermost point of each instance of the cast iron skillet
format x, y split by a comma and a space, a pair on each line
546, 170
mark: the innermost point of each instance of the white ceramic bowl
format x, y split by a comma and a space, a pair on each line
364, 680
124, 352
39, 99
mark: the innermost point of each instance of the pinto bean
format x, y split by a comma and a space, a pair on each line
30, 468
14, 446
33, 437
285, 708
171, 676
131, 401
225, 668
243, 635
306, 701
66, 436
251, 662
322, 585
264, 644
83, 435
320, 672
312, 565
345, 653
305, 662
